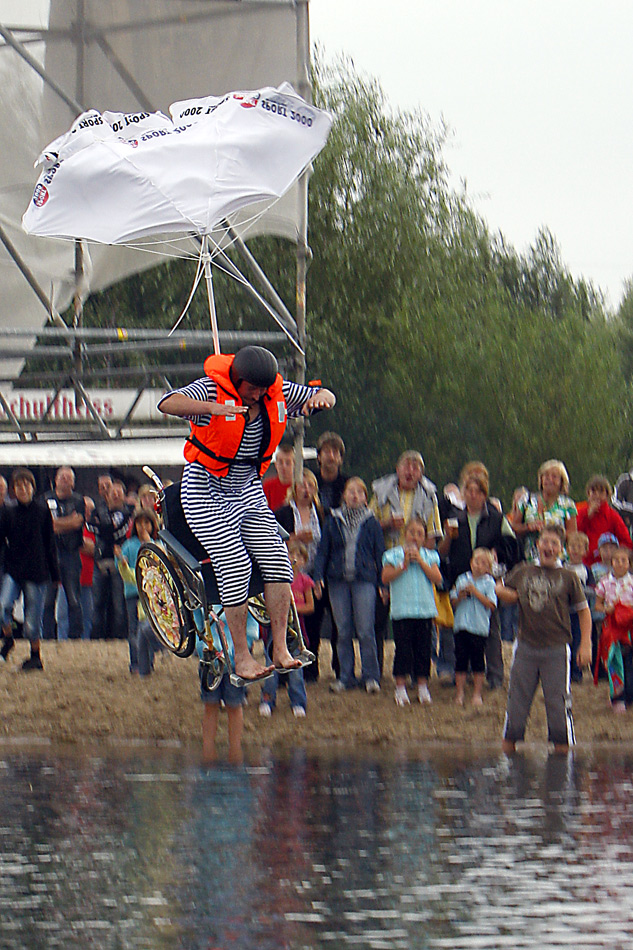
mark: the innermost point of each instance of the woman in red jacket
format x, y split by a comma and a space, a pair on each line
596, 517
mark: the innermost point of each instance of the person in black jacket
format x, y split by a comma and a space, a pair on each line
110, 523
479, 525
68, 510
350, 558
31, 563
330, 478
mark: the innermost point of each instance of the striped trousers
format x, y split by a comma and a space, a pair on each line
236, 528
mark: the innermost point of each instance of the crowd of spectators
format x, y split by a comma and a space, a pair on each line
399, 558
433, 566
61, 558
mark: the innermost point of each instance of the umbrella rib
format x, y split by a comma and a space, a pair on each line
240, 278
194, 287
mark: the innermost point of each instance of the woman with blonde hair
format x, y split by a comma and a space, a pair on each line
550, 505
302, 518
302, 515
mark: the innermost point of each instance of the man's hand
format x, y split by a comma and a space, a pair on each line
222, 409
68, 523
583, 657
323, 399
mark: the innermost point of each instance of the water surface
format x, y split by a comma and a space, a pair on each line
151, 849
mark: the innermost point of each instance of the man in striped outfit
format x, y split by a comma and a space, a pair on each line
238, 414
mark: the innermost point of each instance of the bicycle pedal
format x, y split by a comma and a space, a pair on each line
306, 657
240, 681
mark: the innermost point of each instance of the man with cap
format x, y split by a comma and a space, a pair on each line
238, 414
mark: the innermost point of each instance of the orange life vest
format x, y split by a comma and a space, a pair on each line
215, 446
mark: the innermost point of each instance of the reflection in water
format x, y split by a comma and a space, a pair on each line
447, 851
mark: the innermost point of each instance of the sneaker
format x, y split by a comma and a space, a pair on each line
423, 695
401, 698
337, 687
298, 712
372, 686
265, 710
34, 662
7, 646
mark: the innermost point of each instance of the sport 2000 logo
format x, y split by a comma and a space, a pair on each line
40, 196
245, 103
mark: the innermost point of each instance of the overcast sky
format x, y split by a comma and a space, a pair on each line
538, 96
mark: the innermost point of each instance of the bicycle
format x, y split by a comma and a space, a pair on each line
177, 589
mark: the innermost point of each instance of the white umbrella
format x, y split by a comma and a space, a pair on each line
119, 178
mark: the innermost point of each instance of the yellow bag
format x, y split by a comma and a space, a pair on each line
444, 610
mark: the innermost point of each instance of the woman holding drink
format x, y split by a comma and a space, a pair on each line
302, 515
550, 505
479, 525
302, 518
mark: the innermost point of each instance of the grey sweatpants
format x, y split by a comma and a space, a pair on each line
550, 665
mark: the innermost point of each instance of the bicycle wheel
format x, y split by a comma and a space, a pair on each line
212, 669
294, 640
257, 609
162, 597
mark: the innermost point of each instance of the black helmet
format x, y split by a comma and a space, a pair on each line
255, 365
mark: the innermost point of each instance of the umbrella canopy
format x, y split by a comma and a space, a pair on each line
120, 178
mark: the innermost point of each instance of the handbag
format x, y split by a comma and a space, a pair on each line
444, 610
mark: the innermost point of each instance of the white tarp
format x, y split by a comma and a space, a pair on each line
137, 54
105, 454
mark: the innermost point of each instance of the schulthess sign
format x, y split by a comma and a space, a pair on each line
111, 404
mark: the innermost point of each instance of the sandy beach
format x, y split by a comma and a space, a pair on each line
85, 696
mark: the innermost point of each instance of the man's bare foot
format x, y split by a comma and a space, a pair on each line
477, 701
284, 660
249, 669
